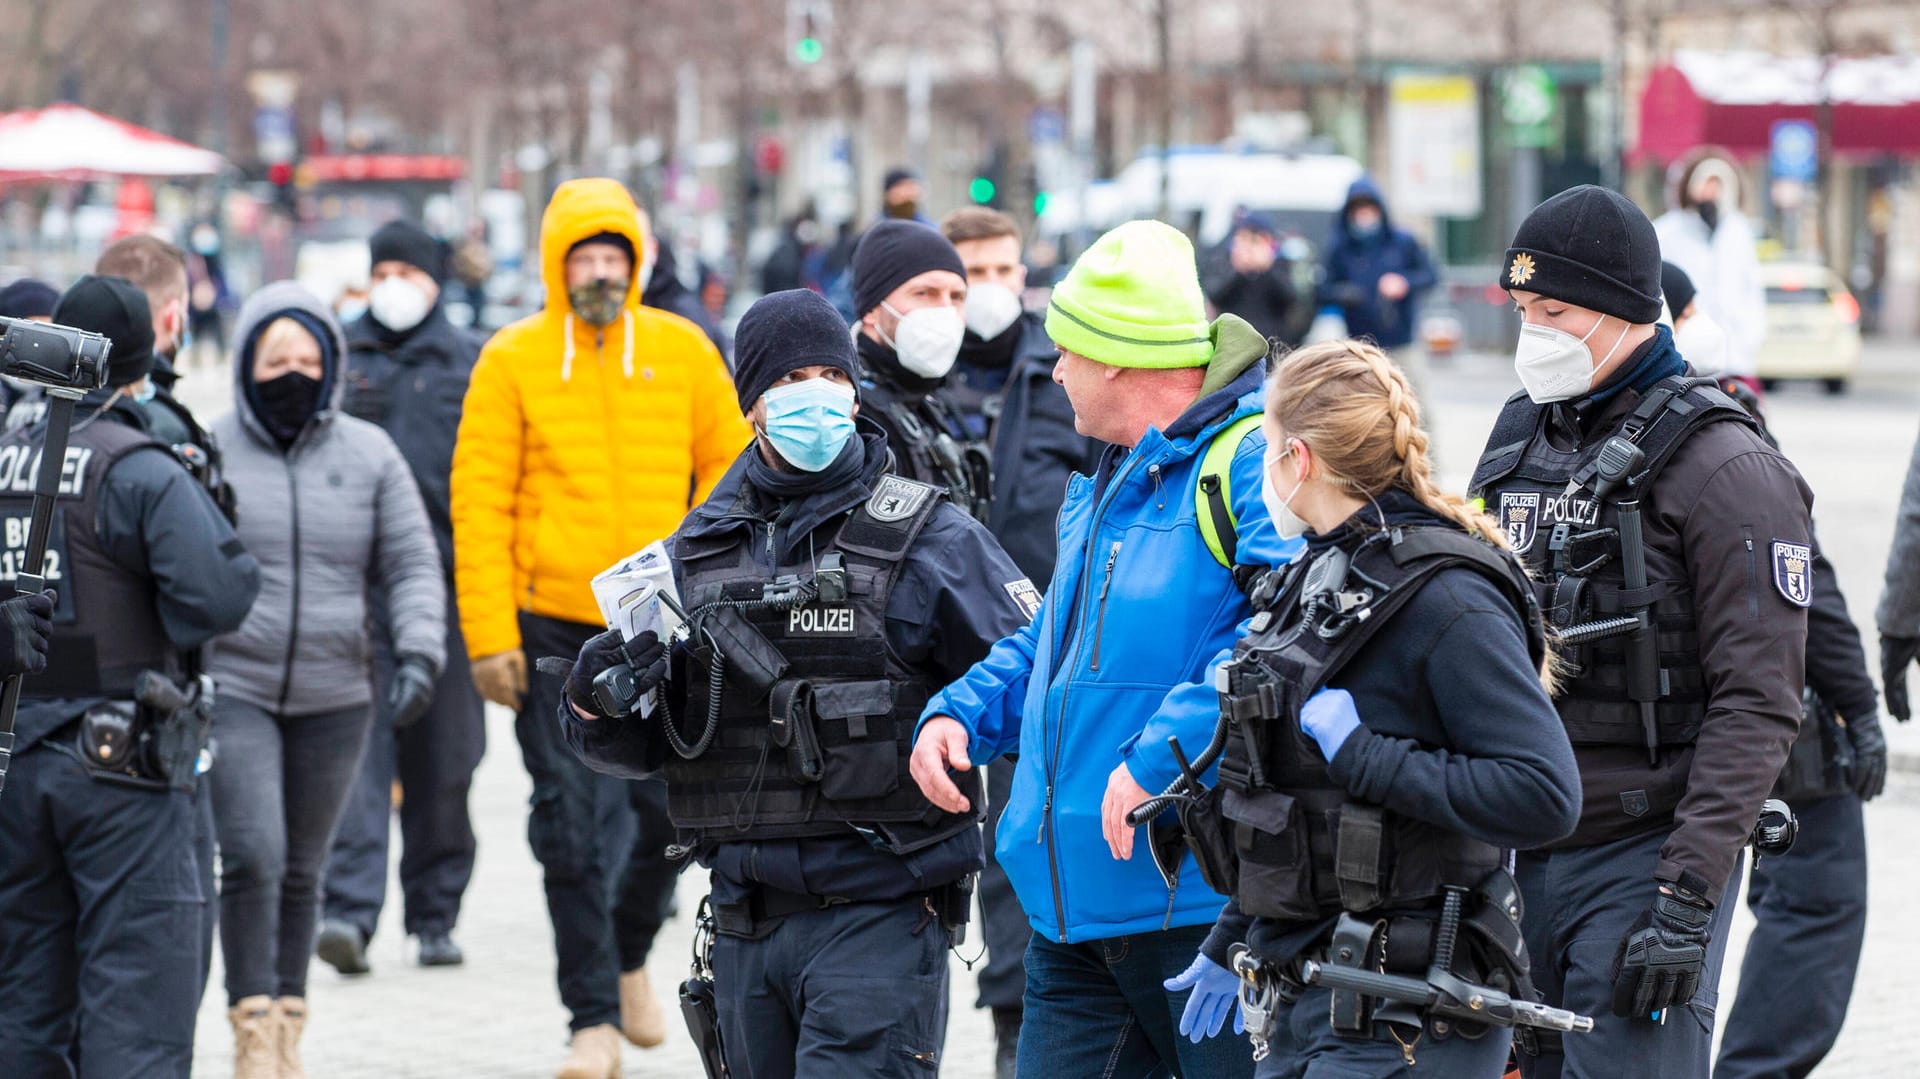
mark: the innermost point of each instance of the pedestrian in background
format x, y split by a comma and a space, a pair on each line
1704, 233
102, 897
1256, 283
406, 372
1376, 273
333, 514
1120, 658
586, 428
1898, 614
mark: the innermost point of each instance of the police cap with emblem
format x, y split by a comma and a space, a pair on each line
1592, 248
785, 331
113, 308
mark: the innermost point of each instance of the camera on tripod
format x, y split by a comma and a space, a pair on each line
67, 361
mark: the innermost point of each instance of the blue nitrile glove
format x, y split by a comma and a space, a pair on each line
1216, 992
1329, 717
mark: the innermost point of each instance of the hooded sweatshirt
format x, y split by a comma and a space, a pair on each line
1354, 264
580, 444
335, 512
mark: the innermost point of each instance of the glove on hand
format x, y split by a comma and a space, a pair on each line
411, 691
645, 654
1896, 653
1869, 756
1329, 717
26, 625
1216, 994
1660, 962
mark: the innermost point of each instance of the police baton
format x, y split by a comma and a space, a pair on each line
69, 362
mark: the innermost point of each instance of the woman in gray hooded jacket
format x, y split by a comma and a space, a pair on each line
328, 506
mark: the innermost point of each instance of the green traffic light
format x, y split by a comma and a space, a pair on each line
808, 50
1039, 203
980, 190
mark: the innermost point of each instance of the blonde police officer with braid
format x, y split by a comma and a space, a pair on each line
1388, 742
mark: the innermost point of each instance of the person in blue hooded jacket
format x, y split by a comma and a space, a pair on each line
1375, 272
1119, 659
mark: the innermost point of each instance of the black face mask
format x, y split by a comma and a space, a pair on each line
1710, 213
287, 403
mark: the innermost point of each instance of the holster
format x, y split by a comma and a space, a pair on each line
153, 742
702, 1013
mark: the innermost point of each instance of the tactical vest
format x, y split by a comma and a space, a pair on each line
106, 627
932, 447
828, 746
1300, 848
1569, 537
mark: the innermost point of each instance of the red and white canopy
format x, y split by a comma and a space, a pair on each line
67, 142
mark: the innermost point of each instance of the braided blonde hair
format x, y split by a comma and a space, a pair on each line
1354, 406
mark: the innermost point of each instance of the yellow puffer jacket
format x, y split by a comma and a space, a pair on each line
579, 446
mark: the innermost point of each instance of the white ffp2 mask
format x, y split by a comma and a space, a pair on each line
927, 339
1554, 365
991, 308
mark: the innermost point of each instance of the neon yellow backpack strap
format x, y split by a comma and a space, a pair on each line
1213, 496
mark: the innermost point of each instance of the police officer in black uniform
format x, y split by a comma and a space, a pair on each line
827, 600
910, 289
100, 893
1388, 741
1672, 551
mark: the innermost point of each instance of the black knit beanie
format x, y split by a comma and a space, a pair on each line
1590, 247
611, 238
117, 311
1677, 287
404, 241
28, 298
784, 331
893, 253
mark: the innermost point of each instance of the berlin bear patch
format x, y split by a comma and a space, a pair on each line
1793, 572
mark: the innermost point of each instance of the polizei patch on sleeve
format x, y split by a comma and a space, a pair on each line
812, 621
1027, 596
1793, 572
895, 499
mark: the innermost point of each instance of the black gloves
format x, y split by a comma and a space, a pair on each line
644, 654
1869, 756
411, 691
1895, 654
26, 625
1659, 963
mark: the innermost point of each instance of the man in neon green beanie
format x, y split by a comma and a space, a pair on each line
1142, 607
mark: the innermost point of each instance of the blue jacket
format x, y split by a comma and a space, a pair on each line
1353, 266
1138, 615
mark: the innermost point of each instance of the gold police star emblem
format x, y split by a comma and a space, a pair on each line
1522, 269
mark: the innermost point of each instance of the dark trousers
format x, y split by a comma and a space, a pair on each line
100, 915
1310, 1049
853, 990
1003, 981
1098, 1009
1798, 976
279, 785
1579, 904
434, 760
609, 885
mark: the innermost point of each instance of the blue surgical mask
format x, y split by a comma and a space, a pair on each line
808, 423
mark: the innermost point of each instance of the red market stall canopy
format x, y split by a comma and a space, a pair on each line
67, 142
1732, 99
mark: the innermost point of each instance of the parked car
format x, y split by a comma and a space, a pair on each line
1813, 327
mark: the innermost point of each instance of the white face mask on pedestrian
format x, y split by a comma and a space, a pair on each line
1286, 522
398, 303
1554, 365
927, 339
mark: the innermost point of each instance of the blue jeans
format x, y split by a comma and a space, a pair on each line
1098, 1010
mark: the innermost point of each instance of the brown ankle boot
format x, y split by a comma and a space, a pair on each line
640, 1018
595, 1054
254, 1028
290, 1019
